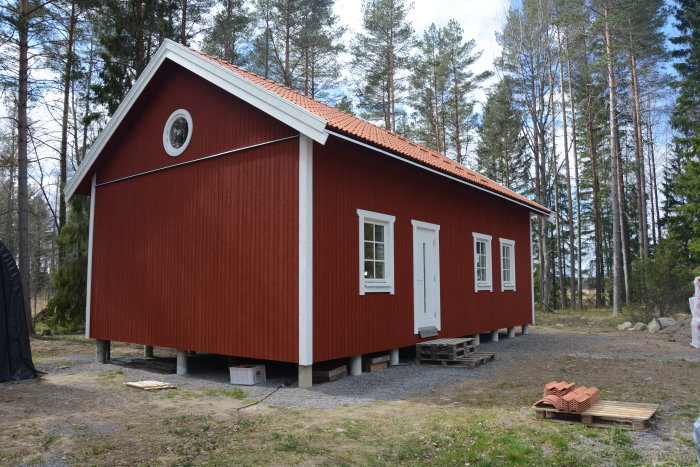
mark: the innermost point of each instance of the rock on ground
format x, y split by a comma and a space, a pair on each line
665, 322
624, 326
653, 326
638, 327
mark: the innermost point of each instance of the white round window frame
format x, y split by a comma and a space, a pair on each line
169, 148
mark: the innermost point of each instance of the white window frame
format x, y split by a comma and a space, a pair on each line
507, 285
488, 283
167, 145
377, 285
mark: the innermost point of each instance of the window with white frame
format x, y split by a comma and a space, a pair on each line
482, 262
507, 264
376, 240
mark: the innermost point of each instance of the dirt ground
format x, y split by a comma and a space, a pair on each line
77, 415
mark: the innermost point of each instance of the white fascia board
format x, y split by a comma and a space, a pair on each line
274, 105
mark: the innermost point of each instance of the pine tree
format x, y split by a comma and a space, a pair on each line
380, 55
231, 27
501, 153
429, 89
298, 44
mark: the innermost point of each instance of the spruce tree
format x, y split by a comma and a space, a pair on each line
682, 187
501, 153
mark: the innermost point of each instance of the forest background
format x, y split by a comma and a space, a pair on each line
591, 108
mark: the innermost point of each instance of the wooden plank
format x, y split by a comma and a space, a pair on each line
149, 385
605, 414
325, 375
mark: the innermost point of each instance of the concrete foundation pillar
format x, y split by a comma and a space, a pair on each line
305, 376
494, 336
526, 329
148, 351
356, 365
182, 362
394, 357
511, 332
101, 350
477, 339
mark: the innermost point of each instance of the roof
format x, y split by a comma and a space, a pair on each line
375, 135
310, 117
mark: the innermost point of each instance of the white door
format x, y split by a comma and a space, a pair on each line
426, 275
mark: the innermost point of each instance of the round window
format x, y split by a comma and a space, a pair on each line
177, 132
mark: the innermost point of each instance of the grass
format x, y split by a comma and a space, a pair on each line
237, 393
433, 436
593, 318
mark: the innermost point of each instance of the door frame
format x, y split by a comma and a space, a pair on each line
436, 229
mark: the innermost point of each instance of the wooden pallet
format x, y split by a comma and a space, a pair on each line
445, 349
471, 360
604, 414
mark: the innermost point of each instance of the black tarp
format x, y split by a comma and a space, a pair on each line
15, 353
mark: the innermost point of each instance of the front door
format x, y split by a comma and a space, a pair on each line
426, 275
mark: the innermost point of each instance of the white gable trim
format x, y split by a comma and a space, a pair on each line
274, 105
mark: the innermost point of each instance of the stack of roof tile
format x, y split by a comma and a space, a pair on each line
564, 397
558, 389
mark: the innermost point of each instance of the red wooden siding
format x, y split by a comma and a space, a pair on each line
200, 257
348, 177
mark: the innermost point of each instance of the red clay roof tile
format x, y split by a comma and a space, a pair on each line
362, 130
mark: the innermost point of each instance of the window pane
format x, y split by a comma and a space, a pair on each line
369, 250
480, 274
369, 270
378, 233
369, 230
379, 250
379, 270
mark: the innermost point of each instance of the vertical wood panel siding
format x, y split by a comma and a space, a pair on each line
200, 257
348, 177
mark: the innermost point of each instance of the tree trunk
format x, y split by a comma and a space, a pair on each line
598, 242
140, 57
653, 189
63, 156
555, 169
639, 154
183, 22
572, 246
579, 249
614, 157
23, 161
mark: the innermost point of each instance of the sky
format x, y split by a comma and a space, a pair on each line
480, 20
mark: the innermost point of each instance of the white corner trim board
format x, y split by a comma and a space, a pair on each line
305, 250
274, 105
88, 294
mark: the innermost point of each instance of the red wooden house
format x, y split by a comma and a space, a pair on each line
235, 216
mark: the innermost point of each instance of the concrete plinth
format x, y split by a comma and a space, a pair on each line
526, 329
394, 357
305, 376
494, 336
101, 350
356, 365
182, 362
477, 339
511, 332
148, 351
